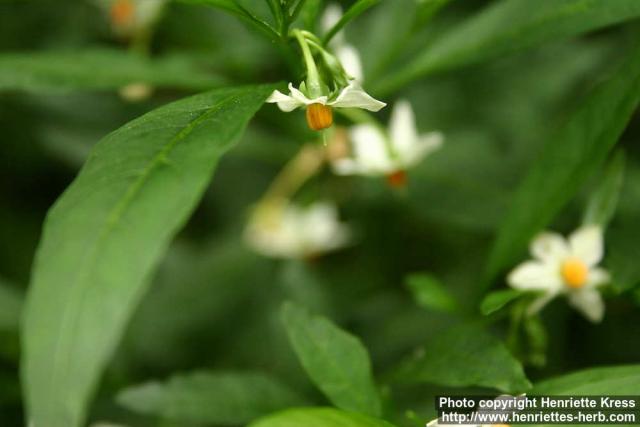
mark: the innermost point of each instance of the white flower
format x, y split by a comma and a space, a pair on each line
376, 152
565, 266
352, 96
290, 231
346, 53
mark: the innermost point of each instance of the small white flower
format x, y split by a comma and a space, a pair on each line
376, 152
352, 96
291, 231
346, 53
565, 267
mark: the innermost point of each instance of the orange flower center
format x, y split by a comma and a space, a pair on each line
319, 116
397, 179
122, 12
574, 273
500, 425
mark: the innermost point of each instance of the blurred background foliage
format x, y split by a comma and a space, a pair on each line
216, 305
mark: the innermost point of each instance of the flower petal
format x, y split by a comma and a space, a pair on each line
534, 275
350, 60
332, 14
587, 244
302, 98
549, 247
427, 144
597, 277
370, 150
285, 102
588, 302
402, 129
322, 229
353, 96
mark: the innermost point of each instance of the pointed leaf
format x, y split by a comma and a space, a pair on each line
567, 161
430, 293
107, 232
336, 361
618, 380
465, 356
318, 417
210, 398
494, 301
98, 69
602, 204
508, 26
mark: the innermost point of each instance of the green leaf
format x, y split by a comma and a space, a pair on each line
494, 301
10, 307
567, 160
354, 11
463, 356
602, 204
335, 360
618, 380
508, 26
210, 398
103, 238
98, 69
239, 11
318, 417
429, 293
428, 8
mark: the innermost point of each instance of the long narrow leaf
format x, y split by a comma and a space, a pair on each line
104, 236
567, 160
509, 26
95, 69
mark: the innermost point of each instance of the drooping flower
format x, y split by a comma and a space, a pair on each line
565, 267
324, 88
346, 53
291, 231
319, 112
391, 153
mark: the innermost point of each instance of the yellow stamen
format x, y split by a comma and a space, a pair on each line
500, 425
319, 116
574, 273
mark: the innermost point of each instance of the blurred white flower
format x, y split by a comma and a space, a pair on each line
291, 231
346, 53
378, 152
135, 92
565, 267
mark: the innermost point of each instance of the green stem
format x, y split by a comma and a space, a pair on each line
314, 85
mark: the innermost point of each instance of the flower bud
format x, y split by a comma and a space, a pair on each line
319, 116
